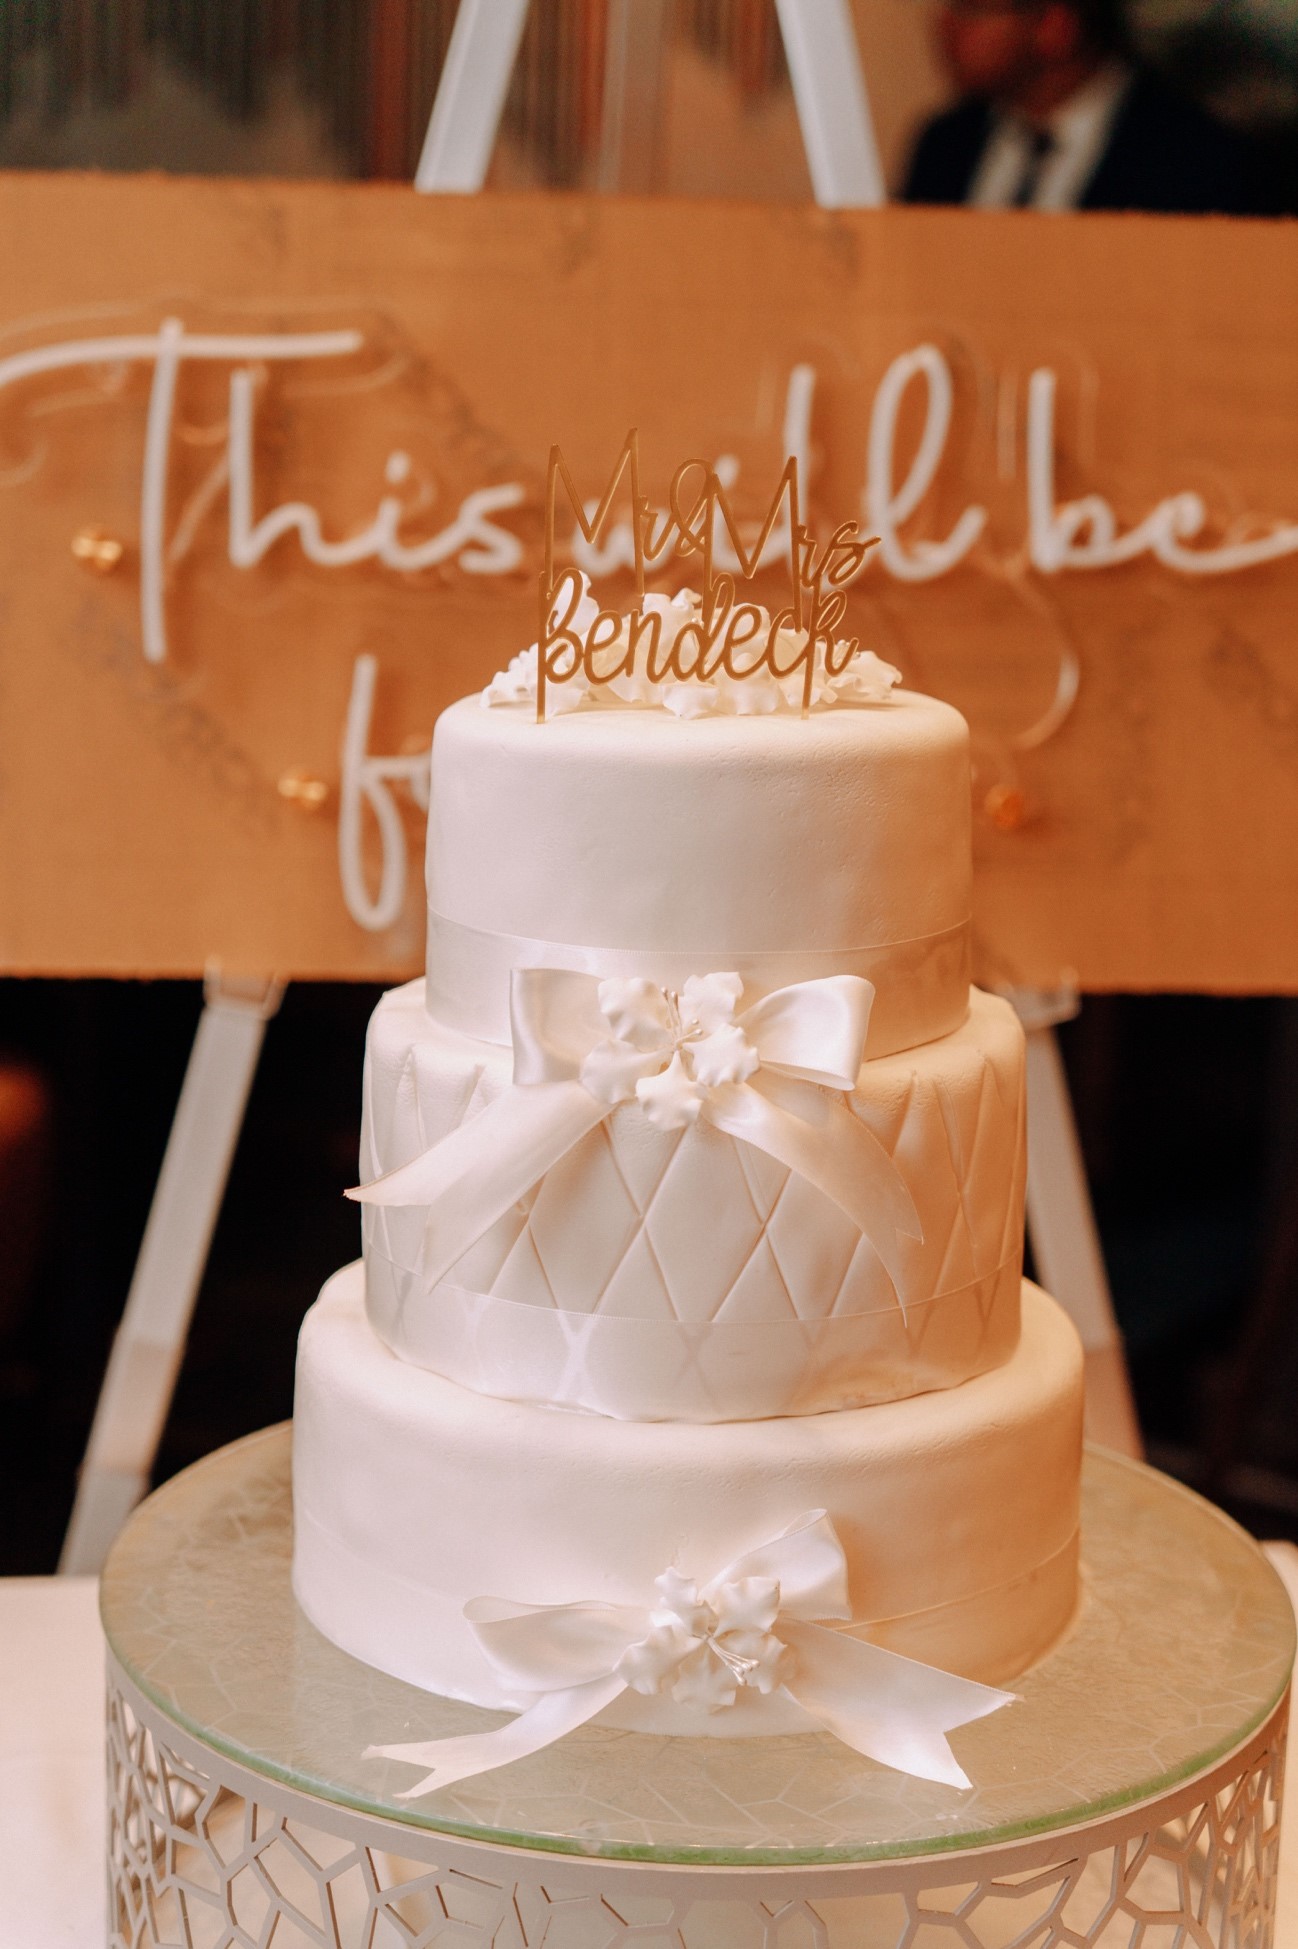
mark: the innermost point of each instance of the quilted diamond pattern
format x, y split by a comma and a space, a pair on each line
694, 1227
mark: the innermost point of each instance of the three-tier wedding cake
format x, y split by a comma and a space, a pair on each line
690, 1379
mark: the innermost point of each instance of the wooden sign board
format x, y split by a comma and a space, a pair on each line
270, 486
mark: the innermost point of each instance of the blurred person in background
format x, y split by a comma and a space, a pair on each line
1055, 113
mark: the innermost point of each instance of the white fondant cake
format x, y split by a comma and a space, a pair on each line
693, 1231
957, 1510
629, 843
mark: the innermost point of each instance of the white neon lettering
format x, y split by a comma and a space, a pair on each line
886, 505
1084, 534
167, 349
368, 781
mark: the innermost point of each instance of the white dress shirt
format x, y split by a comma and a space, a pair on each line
1079, 130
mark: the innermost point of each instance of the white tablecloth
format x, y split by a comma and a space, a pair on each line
52, 1768
51, 1764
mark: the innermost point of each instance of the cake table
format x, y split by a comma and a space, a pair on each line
1131, 1796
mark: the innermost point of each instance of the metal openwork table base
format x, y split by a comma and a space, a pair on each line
1131, 1796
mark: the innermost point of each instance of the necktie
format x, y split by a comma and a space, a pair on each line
1041, 145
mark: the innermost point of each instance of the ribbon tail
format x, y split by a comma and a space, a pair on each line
469, 1179
463, 1758
833, 1150
891, 1709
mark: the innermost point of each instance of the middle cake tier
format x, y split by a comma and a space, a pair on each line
686, 1276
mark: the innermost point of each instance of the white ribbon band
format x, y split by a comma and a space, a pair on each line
649, 1369
773, 1077
756, 1627
922, 984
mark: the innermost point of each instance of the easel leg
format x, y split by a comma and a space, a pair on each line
471, 94
833, 107
1065, 1243
828, 88
150, 1340
633, 95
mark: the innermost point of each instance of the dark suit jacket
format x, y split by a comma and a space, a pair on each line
1163, 154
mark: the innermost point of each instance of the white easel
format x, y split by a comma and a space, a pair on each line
819, 40
846, 173
150, 1340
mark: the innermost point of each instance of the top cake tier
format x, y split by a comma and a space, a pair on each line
628, 842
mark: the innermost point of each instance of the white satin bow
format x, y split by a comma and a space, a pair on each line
753, 1627
583, 1046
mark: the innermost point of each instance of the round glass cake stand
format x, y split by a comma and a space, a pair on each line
1130, 1797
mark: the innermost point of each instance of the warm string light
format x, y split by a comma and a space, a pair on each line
736, 638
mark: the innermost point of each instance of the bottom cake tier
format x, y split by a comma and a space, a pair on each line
957, 1510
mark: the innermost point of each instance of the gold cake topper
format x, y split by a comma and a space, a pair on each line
725, 635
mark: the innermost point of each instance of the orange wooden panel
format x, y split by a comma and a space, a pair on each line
143, 824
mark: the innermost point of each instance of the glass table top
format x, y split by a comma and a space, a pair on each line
1182, 1646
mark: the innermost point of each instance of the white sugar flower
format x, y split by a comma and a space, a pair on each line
704, 1649
673, 613
725, 1056
669, 1051
517, 684
688, 700
638, 1012
711, 999
671, 1099
756, 696
866, 680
